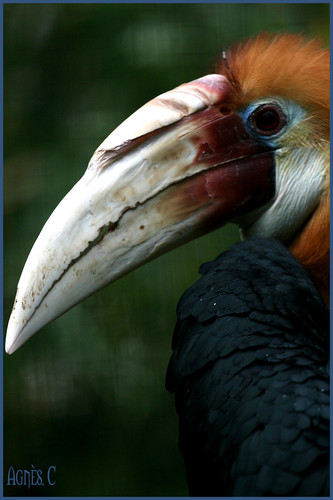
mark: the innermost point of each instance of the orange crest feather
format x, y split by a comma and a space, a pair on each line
281, 65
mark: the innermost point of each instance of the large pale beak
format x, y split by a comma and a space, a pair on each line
180, 166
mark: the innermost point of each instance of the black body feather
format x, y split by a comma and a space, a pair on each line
250, 373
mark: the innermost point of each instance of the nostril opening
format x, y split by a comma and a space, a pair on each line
225, 111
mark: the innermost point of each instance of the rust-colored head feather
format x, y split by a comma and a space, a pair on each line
312, 246
282, 65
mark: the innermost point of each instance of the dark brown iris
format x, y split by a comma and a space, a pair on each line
267, 119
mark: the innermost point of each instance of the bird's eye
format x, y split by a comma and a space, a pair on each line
267, 119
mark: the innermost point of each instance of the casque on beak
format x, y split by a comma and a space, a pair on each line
180, 166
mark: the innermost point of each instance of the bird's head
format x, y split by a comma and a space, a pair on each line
249, 144
290, 74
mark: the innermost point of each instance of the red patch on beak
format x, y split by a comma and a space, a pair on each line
242, 173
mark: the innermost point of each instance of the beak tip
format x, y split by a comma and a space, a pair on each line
14, 337
9, 346
12, 344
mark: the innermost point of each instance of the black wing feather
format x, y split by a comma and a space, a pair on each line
250, 373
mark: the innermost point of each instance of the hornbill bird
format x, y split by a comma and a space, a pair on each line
250, 145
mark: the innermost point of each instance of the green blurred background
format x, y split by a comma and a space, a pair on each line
87, 393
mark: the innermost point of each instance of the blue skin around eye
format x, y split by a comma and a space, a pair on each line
292, 111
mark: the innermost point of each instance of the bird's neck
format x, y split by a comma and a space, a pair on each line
312, 246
